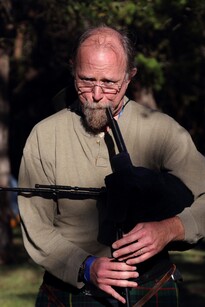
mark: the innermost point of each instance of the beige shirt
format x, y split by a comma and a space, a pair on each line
59, 151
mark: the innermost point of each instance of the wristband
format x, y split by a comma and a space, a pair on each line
89, 261
82, 270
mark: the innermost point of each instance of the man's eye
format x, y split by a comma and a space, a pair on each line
108, 82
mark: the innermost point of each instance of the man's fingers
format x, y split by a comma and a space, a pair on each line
113, 293
118, 283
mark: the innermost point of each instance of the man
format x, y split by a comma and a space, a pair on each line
74, 147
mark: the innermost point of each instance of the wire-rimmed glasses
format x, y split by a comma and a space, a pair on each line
87, 86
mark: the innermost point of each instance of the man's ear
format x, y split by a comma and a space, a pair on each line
131, 74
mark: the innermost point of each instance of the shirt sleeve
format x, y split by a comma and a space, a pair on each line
43, 241
183, 159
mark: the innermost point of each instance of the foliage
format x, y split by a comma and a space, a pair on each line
151, 71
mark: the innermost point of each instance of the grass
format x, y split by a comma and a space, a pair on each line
192, 266
19, 287
20, 281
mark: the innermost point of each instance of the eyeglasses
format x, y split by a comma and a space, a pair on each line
87, 86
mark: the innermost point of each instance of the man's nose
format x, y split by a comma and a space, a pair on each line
97, 92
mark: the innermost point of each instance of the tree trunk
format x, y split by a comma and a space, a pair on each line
5, 206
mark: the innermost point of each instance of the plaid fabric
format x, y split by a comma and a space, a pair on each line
48, 296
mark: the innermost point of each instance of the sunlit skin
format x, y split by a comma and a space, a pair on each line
102, 64
98, 61
102, 59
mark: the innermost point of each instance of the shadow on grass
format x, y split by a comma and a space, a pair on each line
191, 264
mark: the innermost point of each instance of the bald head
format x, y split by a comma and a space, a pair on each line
104, 38
107, 38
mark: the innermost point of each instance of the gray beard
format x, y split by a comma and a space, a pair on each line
95, 117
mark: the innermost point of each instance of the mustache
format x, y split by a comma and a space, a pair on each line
97, 105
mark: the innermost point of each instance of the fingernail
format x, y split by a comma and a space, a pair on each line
115, 254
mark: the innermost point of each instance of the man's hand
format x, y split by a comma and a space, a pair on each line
147, 239
106, 274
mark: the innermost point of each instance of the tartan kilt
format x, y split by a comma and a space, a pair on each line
48, 296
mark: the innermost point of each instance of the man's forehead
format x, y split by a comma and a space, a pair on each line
101, 52
106, 40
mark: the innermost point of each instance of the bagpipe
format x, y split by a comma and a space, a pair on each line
131, 195
137, 194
